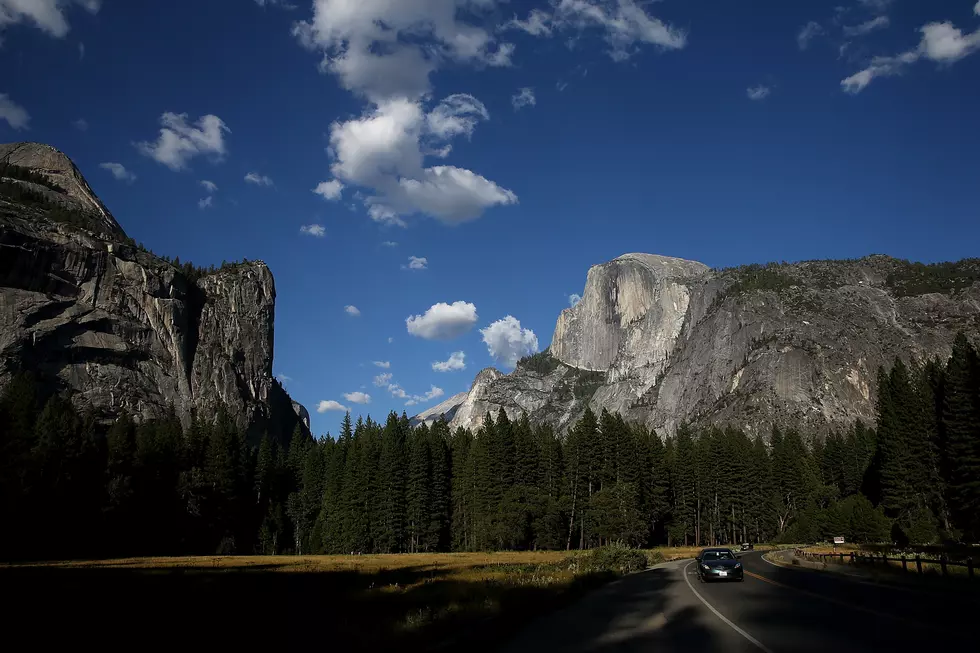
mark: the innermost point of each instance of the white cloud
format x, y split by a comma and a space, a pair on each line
81, 124
179, 142
15, 115
315, 230
416, 263
433, 393
976, 9
385, 51
759, 92
879, 22
382, 364
809, 32
352, 310
389, 243
383, 151
574, 299
941, 43
457, 115
625, 24
443, 321
205, 203
209, 186
456, 361
507, 342
118, 171
46, 15
387, 48
538, 23
329, 190
258, 180
324, 406
524, 98
390, 340
382, 380
283, 379
357, 397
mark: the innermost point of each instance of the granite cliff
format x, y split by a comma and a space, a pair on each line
87, 310
663, 340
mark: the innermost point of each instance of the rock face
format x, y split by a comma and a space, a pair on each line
126, 330
663, 341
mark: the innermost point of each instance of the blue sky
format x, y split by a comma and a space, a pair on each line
722, 132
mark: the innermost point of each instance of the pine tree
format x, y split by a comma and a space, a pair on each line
392, 478
961, 426
436, 536
461, 491
417, 499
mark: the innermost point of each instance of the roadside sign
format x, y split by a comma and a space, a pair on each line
838, 540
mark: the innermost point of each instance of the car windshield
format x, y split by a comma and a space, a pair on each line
717, 555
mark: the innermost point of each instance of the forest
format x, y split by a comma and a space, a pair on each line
71, 486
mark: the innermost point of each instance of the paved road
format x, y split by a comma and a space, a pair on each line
775, 610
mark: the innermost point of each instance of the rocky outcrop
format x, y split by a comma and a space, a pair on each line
126, 330
663, 341
59, 170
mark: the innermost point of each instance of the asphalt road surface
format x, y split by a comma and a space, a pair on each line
775, 610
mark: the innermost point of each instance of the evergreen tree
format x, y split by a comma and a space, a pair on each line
392, 477
961, 426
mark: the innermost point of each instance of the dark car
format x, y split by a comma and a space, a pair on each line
719, 564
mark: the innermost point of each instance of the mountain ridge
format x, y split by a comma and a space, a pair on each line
789, 344
86, 309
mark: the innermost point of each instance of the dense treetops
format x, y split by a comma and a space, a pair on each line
71, 486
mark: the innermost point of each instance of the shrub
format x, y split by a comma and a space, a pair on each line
614, 558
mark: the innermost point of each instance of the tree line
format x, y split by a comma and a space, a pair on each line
71, 486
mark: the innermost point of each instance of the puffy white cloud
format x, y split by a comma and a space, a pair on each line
46, 15
879, 22
315, 230
205, 202
81, 124
389, 243
942, 43
809, 32
759, 92
574, 299
15, 115
179, 141
524, 98
329, 190
357, 397
283, 379
976, 9
209, 186
456, 361
382, 364
433, 393
416, 263
383, 151
390, 340
443, 321
327, 405
352, 310
118, 171
258, 180
507, 342
382, 380
387, 48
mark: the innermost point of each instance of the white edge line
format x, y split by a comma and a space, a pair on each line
720, 615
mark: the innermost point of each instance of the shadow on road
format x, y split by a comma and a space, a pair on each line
634, 614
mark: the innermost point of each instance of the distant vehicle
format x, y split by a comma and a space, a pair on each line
719, 564
748, 546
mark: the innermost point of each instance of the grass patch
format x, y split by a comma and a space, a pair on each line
446, 601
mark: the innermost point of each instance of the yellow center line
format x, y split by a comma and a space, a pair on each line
844, 604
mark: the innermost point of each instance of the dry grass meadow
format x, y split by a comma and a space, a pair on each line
442, 601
